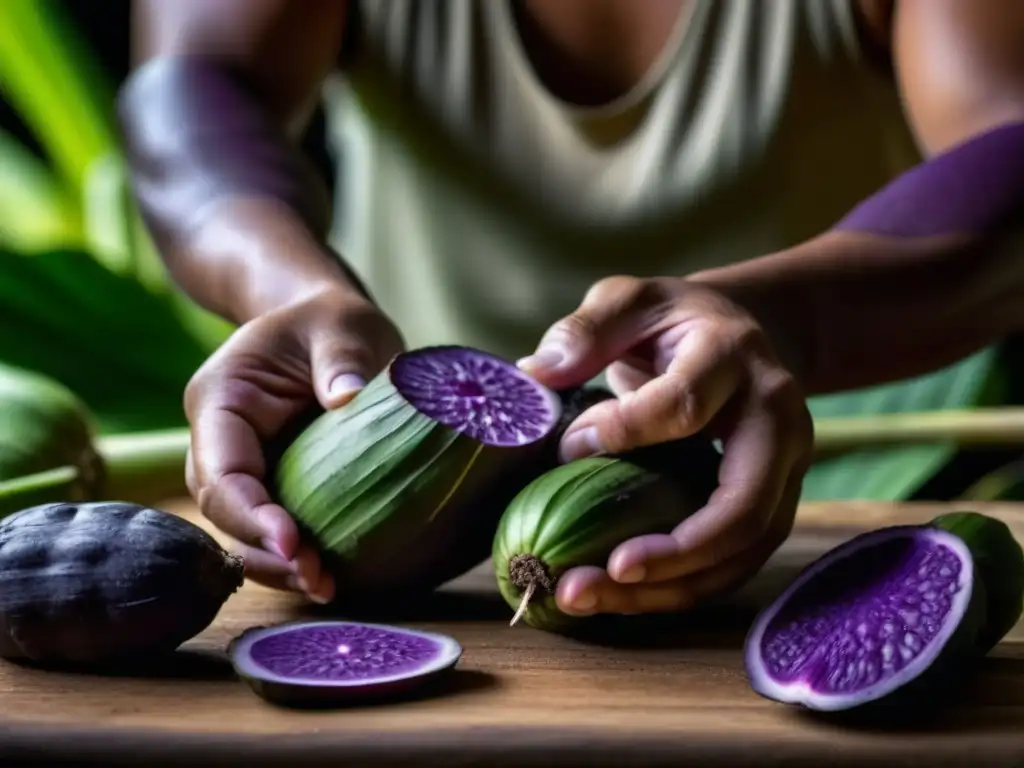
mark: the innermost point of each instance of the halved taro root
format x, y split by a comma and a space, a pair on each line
885, 617
402, 488
335, 663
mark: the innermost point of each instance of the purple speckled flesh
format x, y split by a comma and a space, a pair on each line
342, 653
865, 617
477, 394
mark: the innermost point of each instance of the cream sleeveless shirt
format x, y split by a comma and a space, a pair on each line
479, 208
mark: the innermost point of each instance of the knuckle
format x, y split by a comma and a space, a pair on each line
780, 391
578, 325
193, 394
746, 337
613, 285
689, 405
619, 430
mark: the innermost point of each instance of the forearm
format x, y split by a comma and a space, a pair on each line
238, 214
928, 270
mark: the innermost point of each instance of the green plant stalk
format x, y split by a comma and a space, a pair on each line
145, 468
58, 484
148, 467
980, 427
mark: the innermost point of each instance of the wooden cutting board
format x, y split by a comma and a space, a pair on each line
519, 697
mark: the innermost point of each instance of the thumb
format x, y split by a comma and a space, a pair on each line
613, 317
340, 367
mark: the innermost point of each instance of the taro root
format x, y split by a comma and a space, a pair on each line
49, 450
402, 488
1000, 561
105, 582
578, 513
894, 616
332, 663
44, 426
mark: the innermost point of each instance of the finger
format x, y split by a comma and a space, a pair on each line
228, 463
190, 475
740, 568
588, 590
261, 567
340, 368
699, 381
343, 360
240, 506
627, 376
756, 465
616, 314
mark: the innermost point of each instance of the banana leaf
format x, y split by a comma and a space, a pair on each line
120, 347
896, 473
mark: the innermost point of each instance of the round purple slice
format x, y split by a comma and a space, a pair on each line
324, 656
863, 620
477, 394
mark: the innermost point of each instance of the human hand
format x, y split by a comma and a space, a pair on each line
274, 368
682, 358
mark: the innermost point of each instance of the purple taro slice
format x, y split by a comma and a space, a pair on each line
476, 394
327, 662
864, 620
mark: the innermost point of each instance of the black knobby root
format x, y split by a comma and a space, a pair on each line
526, 573
223, 574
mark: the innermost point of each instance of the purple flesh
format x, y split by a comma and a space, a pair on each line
862, 621
477, 394
341, 654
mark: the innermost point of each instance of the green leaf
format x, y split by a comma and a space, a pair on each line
1003, 484
120, 347
35, 210
894, 474
53, 81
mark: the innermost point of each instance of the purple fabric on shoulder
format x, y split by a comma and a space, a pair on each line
975, 188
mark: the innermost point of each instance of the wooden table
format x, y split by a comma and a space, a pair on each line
520, 697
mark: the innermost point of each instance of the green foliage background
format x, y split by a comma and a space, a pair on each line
84, 298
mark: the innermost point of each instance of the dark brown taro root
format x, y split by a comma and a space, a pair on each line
103, 582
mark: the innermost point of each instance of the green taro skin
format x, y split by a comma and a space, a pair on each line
402, 488
578, 513
44, 426
1000, 561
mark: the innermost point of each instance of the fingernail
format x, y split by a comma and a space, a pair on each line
577, 445
346, 384
546, 357
585, 602
324, 591
632, 575
273, 547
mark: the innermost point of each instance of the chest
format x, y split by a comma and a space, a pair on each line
590, 52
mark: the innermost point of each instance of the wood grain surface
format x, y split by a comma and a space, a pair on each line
518, 697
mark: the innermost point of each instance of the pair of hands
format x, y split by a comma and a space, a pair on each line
680, 356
